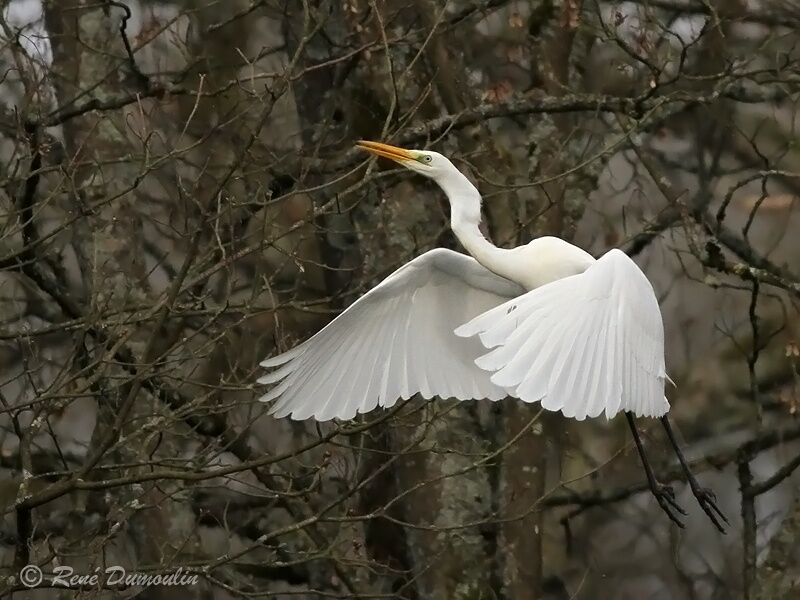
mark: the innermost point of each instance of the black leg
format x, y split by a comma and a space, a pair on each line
663, 493
704, 496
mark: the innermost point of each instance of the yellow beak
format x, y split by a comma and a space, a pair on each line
397, 154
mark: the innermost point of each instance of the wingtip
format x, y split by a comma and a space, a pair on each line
272, 377
276, 361
271, 395
464, 331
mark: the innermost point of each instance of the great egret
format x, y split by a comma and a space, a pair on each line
544, 322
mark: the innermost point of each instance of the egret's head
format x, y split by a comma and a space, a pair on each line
424, 162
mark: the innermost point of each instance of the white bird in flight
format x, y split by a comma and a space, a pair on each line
544, 322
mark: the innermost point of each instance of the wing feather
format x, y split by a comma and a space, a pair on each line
395, 341
385, 362
380, 360
598, 391
304, 383
584, 344
570, 379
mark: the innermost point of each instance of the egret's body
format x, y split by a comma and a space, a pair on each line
542, 261
544, 322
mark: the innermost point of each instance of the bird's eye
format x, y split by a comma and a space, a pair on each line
427, 159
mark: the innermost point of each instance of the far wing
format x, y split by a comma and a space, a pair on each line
395, 341
584, 344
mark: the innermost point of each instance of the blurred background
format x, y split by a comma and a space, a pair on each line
180, 198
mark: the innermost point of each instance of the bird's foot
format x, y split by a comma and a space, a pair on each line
708, 502
665, 496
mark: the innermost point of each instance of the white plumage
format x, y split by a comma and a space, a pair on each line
544, 322
395, 341
584, 344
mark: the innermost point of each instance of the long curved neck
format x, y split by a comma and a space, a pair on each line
465, 218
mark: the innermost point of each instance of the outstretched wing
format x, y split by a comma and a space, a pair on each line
395, 341
584, 344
